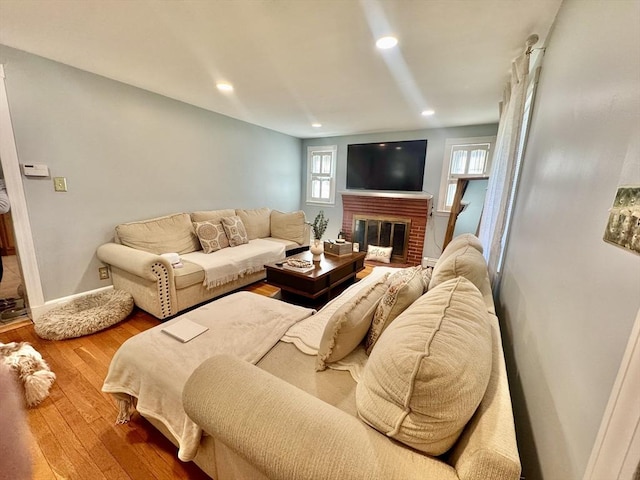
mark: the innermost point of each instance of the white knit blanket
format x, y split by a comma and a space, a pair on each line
152, 367
307, 334
231, 263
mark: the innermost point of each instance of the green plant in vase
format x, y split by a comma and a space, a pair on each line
318, 227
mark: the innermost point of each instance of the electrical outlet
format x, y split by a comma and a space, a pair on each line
103, 272
60, 184
428, 262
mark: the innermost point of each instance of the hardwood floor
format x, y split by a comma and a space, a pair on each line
74, 434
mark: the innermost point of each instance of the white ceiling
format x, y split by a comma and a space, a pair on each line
295, 62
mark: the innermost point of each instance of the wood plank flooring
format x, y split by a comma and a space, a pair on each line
74, 431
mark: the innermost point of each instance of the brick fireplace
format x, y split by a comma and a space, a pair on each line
391, 206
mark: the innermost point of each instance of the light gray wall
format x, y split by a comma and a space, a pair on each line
129, 154
436, 138
567, 299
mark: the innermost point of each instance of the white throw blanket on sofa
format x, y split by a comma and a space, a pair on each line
152, 367
231, 263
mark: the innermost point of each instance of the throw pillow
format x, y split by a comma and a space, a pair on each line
429, 371
465, 262
378, 254
461, 241
426, 278
289, 226
211, 236
257, 222
234, 228
405, 287
349, 324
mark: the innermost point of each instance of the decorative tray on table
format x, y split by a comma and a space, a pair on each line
300, 266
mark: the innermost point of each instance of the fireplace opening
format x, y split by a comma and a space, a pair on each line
383, 232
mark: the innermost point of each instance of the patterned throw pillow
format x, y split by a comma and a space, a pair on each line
405, 287
211, 236
378, 254
234, 228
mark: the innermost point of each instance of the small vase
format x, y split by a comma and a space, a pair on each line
316, 249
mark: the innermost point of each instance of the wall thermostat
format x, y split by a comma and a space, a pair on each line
35, 170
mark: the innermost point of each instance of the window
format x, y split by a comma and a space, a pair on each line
321, 174
470, 157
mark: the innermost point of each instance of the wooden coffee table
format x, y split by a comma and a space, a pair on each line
329, 277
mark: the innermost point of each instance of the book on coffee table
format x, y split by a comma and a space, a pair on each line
185, 330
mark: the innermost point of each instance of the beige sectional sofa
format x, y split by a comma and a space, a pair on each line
140, 265
431, 400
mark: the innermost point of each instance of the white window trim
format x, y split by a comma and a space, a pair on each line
446, 164
333, 150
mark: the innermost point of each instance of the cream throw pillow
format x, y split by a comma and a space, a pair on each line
257, 222
211, 236
173, 233
349, 324
378, 254
289, 226
430, 369
405, 287
459, 242
466, 262
235, 231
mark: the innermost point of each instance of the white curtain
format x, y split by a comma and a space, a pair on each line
504, 165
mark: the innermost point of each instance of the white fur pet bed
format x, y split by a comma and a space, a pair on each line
85, 315
30, 369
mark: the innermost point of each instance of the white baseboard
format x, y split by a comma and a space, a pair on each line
37, 311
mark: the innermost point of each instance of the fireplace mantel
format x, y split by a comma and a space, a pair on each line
388, 194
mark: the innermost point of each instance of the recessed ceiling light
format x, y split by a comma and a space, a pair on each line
224, 87
386, 42
427, 113
316, 125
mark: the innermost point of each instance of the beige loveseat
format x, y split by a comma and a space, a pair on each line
432, 401
139, 264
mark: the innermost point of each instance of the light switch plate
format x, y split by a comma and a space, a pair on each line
60, 184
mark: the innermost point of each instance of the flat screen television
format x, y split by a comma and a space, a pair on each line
396, 166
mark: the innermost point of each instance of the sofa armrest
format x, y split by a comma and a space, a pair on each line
136, 262
286, 433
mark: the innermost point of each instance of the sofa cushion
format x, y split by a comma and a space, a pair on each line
466, 262
214, 216
405, 287
211, 235
257, 222
172, 233
429, 371
234, 228
378, 254
289, 226
459, 242
349, 324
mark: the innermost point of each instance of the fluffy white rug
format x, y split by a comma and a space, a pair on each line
29, 367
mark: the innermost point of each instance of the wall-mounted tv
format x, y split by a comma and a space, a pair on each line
397, 166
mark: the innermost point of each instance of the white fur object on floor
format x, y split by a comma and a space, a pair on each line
85, 315
30, 368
